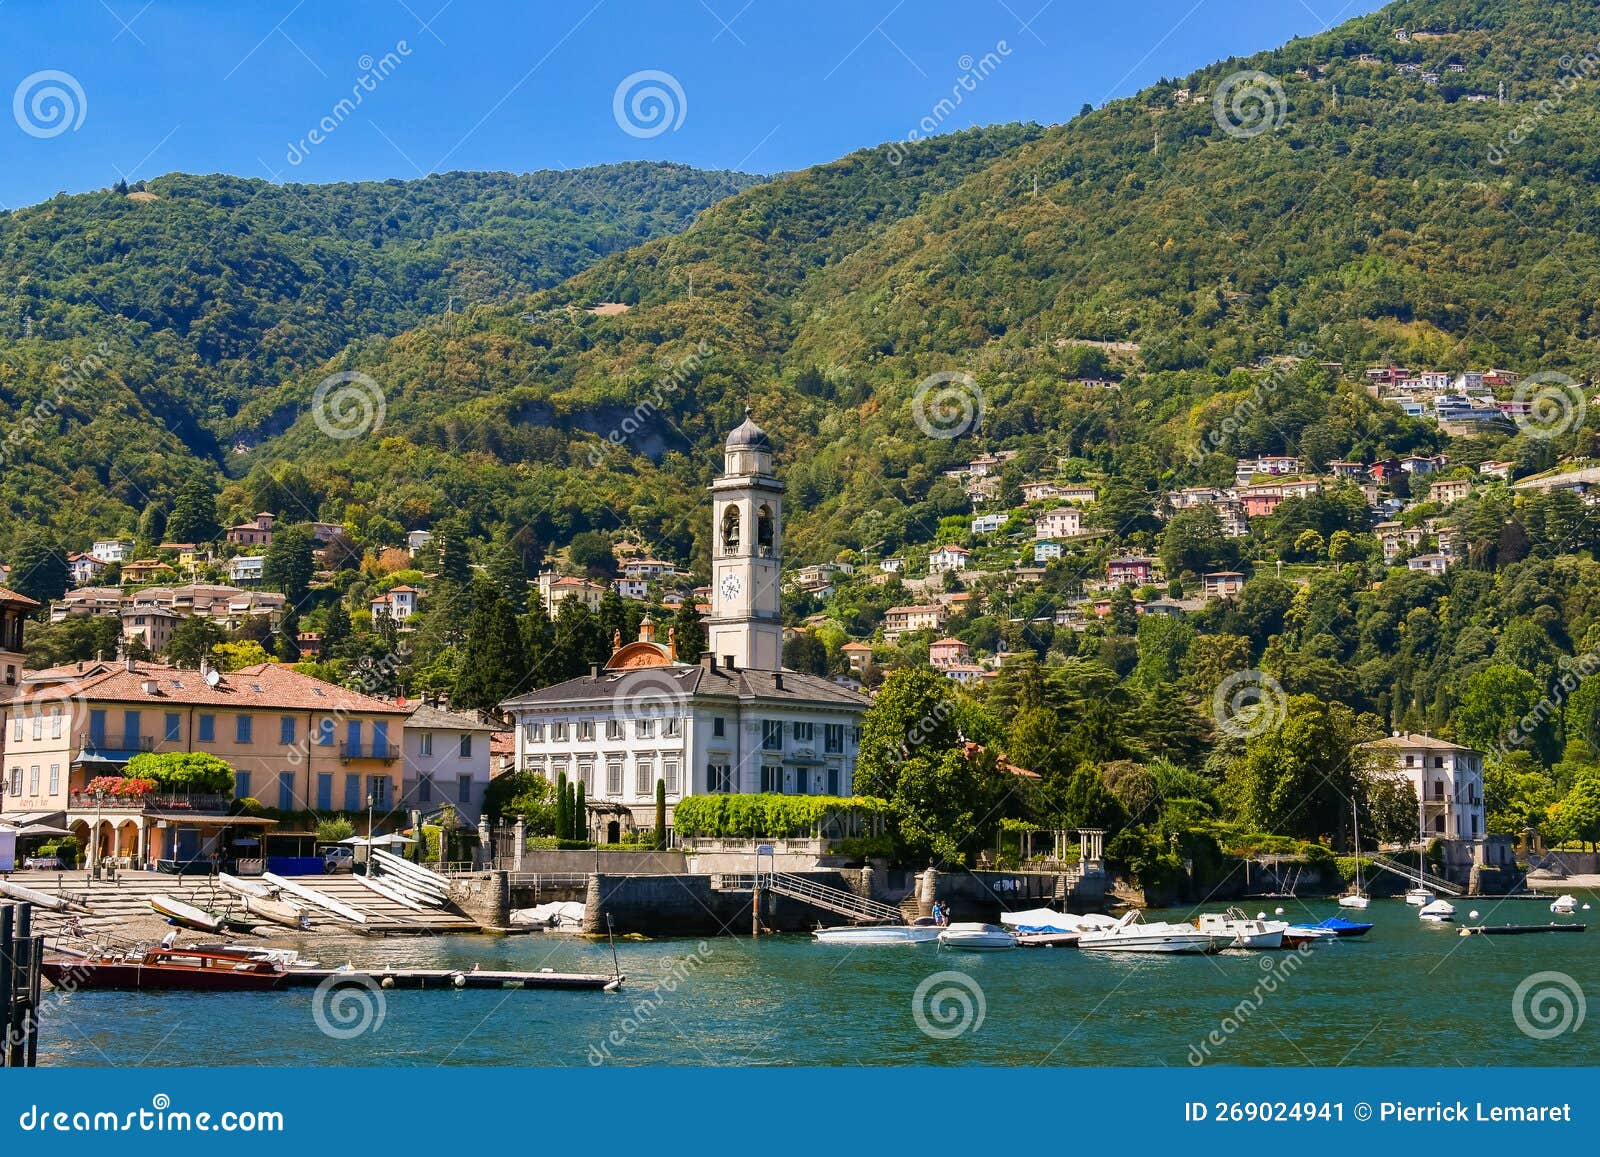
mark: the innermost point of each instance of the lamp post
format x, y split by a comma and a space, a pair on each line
372, 800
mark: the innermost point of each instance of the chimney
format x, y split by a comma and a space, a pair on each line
708, 660
129, 665
594, 671
777, 680
727, 661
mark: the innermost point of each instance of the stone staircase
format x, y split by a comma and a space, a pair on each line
114, 902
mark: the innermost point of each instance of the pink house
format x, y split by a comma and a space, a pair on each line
949, 652
1134, 570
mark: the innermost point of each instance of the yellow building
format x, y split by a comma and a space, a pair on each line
296, 743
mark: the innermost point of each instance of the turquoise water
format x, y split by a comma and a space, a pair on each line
1407, 994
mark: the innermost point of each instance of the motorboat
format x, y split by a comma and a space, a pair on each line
1420, 896
976, 938
1438, 912
166, 969
876, 935
1132, 934
1339, 926
1564, 905
1354, 900
1259, 933
1297, 935
1049, 920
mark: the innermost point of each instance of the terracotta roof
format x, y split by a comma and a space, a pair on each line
11, 596
270, 686
1413, 739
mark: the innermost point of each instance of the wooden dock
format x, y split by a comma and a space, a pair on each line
451, 978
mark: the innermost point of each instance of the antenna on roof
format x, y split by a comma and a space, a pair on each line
213, 676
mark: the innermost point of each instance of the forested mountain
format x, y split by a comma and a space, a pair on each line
146, 331
1376, 215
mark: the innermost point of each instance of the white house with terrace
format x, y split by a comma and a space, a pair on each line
732, 722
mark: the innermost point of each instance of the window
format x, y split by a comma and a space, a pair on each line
380, 739
208, 728
772, 779
16, 781
38, 724
558, 732
463, 789
425, 743
243, 726
644, 779
613, 729
241, 784
586, 731
466, 746
672, 728
717, 726
286, 731
131, 731
833, 738
286, 791
352, 793
772, 735
532, 732
669, 772
55, 778
325, 733
352, 737
55, 723
719, 778
425, 789
378, 790
833, 781
16, 729
33, 780
802, 781
324, 792
173, 730
614, 778
644, 729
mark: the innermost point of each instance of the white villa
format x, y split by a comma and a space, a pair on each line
1447, 778
446, 756
735, 721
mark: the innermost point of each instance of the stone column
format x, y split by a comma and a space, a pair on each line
927, 892
485, 855
520, 835
594, 923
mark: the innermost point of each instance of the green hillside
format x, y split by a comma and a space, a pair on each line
145, 332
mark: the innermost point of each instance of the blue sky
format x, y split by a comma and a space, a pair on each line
102, 88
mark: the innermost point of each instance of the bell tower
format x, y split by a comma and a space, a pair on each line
746, 553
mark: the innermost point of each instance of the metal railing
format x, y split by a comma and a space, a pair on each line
387, 752
837, 900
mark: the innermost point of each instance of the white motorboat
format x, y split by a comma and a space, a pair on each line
1049, 920
976, 938
1564, 905
1131, 934
1246, 933
1438, 911
1354, 900
1419, 896
873, 935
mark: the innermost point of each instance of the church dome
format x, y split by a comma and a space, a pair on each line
748, 436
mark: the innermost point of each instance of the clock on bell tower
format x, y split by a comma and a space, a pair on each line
746, 554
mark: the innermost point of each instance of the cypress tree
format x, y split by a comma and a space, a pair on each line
580, 814
563, 825
661, 813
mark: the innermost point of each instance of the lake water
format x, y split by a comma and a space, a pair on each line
1408, 993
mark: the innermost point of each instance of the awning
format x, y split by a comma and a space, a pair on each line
22, 819
196, 820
